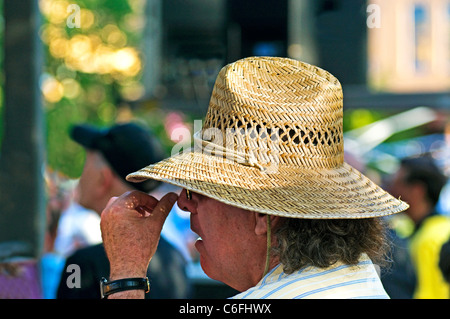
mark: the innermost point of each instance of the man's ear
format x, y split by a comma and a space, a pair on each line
106, 179
418, 190
261, 222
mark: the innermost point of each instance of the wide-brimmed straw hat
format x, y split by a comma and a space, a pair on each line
272, 142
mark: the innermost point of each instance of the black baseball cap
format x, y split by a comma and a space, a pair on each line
126, 147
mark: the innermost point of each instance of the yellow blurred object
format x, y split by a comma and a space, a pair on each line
103, 53
425, 248
402, 224
52, 90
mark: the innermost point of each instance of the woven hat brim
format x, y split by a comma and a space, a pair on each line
291, 192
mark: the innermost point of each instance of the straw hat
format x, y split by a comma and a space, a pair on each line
272, 142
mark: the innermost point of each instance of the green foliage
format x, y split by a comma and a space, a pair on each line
73, 95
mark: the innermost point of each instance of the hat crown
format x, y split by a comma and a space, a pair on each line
279, 110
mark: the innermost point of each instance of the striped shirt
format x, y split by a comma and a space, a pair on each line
339, 281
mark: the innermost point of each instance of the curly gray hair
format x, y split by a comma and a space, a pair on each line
323, 242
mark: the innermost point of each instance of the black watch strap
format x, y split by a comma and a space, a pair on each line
109, 287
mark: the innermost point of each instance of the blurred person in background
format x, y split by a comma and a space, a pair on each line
52, 261
399, 277
78, 227
112, 154
419, 182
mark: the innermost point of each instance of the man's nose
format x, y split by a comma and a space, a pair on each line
187, 202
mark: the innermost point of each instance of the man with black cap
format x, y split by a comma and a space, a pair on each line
111, 154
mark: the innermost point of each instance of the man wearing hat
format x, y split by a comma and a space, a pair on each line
111, 154
279, 212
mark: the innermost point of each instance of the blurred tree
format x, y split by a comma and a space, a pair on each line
93, 66
22, 198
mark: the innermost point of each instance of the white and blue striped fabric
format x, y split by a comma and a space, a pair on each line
339, 281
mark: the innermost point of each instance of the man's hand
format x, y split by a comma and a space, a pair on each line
131, 226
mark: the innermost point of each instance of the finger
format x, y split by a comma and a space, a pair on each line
108, 205
164, 206
137, 201
111, 200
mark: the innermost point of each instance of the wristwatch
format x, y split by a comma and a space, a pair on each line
109, 287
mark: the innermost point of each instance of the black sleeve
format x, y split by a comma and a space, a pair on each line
444, 260
92, 265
